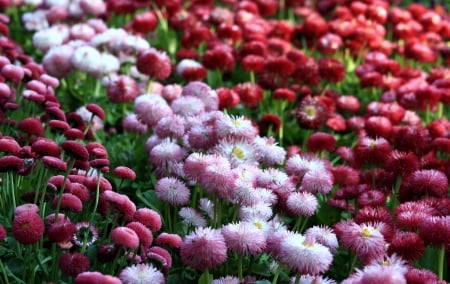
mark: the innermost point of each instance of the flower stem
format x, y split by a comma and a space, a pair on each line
441, 261
277, 274
240, 274
297, 278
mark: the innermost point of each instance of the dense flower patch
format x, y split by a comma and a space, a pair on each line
254, 141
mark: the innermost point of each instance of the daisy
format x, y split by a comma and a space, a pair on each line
244, 238
303, 255
204, 248
172, 191
141, 274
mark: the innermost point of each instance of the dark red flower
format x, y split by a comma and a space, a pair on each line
228, 98
331, 69
250, 94
329, 43
269, 122
154, 63
435, 230
61, 231
74, 263
314, 25
321, 141
124, 173
69, 202
280, 66
401, 163
122, 89
371, 151
284, 94
58, 125
378, 126
75, 149
144, 23
420, 276
2, 233
311, 113
54, 163
96, 110
9, 145
10, 163
194, 36
31, 126
74, 133
28, 228
107, 252
307, 72
416, 139
220, 57
407, 245
253, 63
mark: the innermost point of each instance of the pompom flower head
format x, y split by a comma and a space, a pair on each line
204, 248
28, 228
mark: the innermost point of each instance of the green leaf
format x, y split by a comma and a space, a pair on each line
261, 269
265, 281
150, 199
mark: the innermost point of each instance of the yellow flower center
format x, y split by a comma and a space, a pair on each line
310, 111
238, 152
258, 224
366, 232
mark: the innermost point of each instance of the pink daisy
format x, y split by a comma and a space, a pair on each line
141, 274
172, 191
324, 236
28, 228
301, 203
364, 240
204, 248
303, 255
244, 238
269, 152
191, 217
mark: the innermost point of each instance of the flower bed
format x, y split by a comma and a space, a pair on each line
224, 141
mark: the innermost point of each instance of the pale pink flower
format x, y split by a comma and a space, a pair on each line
141, 274
237, 152
204, 92
166, 151
150, 108
315, 181
324, 236
82, 31
87, 59
301, 203
170, 126
172, 191
362, 239
203, 249
303, 255
188, 106
191, 217
269, 152
48, 38
237, 127
58, 61
130, 123
244, 238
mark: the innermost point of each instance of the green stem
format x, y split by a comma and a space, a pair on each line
353, 263
4, 272
277, 274
441, 262
297, 278
240, 268
63, 186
